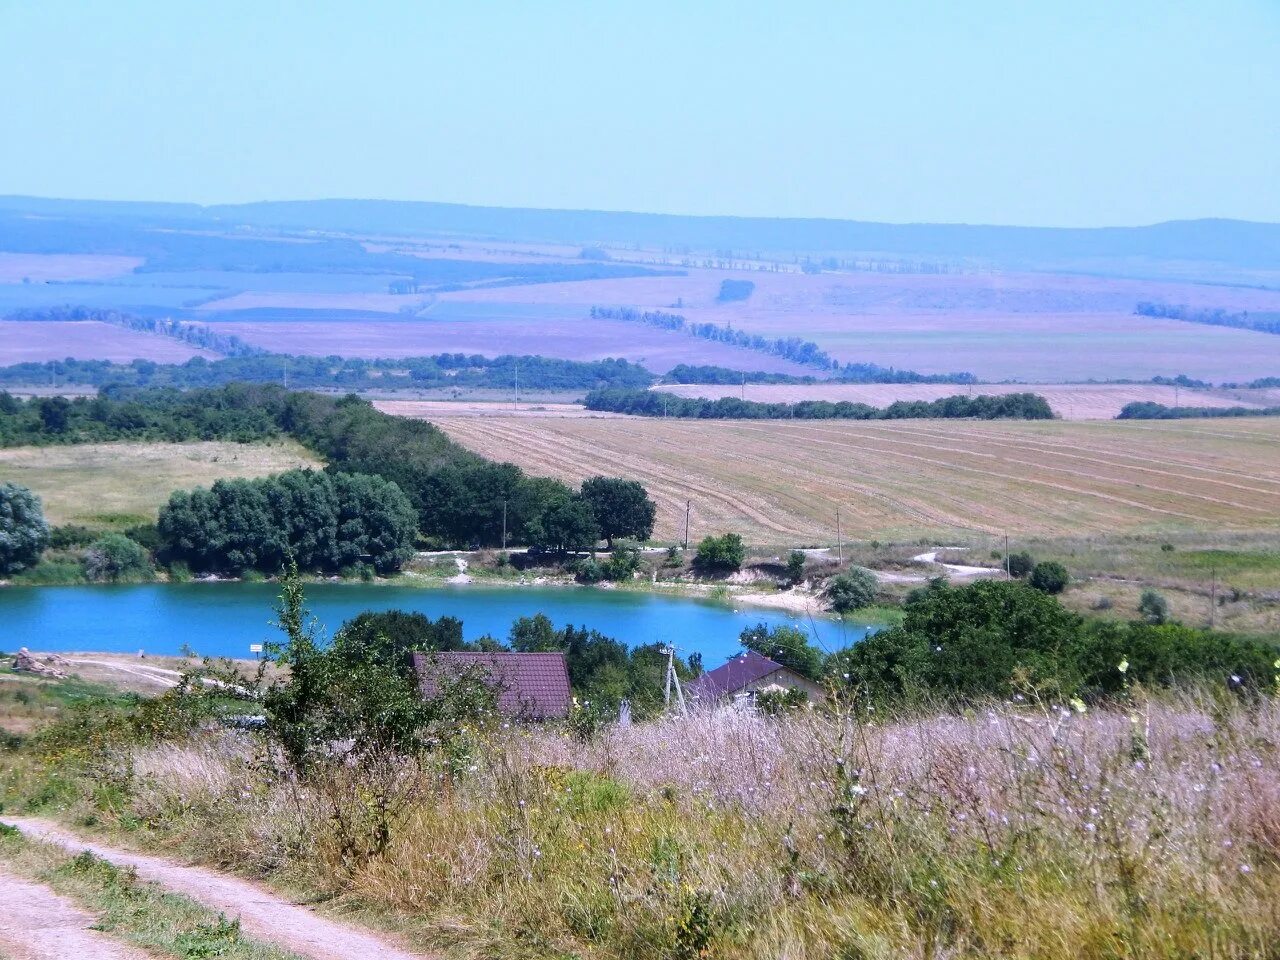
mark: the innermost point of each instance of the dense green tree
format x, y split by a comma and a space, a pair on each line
115, 558
795, 567
1153, 607
390, 636
24, 533
1049, 576
851, 590
566, 524
621, 508
785, 645
725, 552
1020, 564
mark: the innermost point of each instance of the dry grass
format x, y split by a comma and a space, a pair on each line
1017, 831
106, 484
40, 267
780, 482
1070, 401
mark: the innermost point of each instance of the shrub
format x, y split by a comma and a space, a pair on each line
588, 570
115, 558
24, 533
726, 552
1020, 564
1153, 607
1049, 576
69, 536
795, 567
621, 564
851, 590
785, 645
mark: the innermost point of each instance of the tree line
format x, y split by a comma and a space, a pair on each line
446, 370
1214, 316
196, 334
1150, 410
459, 498
651, 403
795, 349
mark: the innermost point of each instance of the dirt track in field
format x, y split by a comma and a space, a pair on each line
780, 482
38, 924
263, 915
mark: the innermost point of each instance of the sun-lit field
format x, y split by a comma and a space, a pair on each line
1070, 401
40, 267
780, 483
34, 341
110, 484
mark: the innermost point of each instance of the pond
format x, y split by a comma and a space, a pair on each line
223, 619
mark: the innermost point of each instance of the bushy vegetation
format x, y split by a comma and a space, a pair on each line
24, 532
446, 370
724, 553
1150, 410
851, 590
322, 521
1262, 322
1049, 576
460, 498
116, 558
651, 403
731, 290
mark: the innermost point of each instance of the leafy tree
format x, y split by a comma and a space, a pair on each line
621, 508
1020, 564
390, 636
726, 552
1049, 576
1153, 607
24, 533
115, 558
851, 590
566, 524
622, 564
785, 645
795, 567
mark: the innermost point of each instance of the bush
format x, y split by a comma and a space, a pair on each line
785, 645
851, 590
1049, 576
588, 570
726, 552
1020, 564
24, 534
69, 536
116, 558
795, 567
1153, 607
622, 564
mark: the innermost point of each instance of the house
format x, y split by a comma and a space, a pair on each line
530, 686
748, 674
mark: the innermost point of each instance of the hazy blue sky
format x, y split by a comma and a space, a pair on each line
1081, 113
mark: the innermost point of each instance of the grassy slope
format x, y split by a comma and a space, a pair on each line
110, 485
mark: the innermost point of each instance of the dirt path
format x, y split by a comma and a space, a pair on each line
263, 915
38, 924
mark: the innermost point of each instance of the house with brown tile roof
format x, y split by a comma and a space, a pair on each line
748, 674
529, 686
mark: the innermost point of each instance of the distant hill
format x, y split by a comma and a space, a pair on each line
1236, 243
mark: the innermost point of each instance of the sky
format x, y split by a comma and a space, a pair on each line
1082, 113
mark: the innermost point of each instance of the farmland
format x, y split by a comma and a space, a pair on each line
1072, 401
779, 483
117, 484
22, 341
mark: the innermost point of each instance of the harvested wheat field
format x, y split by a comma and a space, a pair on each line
779, 483
1070, 401
113, 484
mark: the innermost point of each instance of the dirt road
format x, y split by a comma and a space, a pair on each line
263, 915
37, 924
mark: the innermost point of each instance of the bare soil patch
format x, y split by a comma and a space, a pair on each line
38, 924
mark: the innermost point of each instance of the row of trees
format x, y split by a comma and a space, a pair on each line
1217, 317
446, 370
196, 334
795, 349
1149, 410
650, 403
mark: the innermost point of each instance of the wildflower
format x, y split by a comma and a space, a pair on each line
1245, 868
1124, 665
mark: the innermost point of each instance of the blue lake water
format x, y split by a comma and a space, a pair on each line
223, 619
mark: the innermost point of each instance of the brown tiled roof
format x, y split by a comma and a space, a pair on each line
731, 677
533, 686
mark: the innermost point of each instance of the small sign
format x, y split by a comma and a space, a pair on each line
255, 648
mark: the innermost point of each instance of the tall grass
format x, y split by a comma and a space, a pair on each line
1012, 831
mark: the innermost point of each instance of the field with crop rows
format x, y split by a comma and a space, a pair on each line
779, 483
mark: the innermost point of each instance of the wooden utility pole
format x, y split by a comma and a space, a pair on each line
688, 507
504, 524
517, 401
1213, 597
1006, 557
673, 679
839, 537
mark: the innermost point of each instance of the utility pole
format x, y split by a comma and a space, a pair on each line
744, 386
517, 383
839, 537
504, 524
688, 506
673, 679
1213, 598
1006, 557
